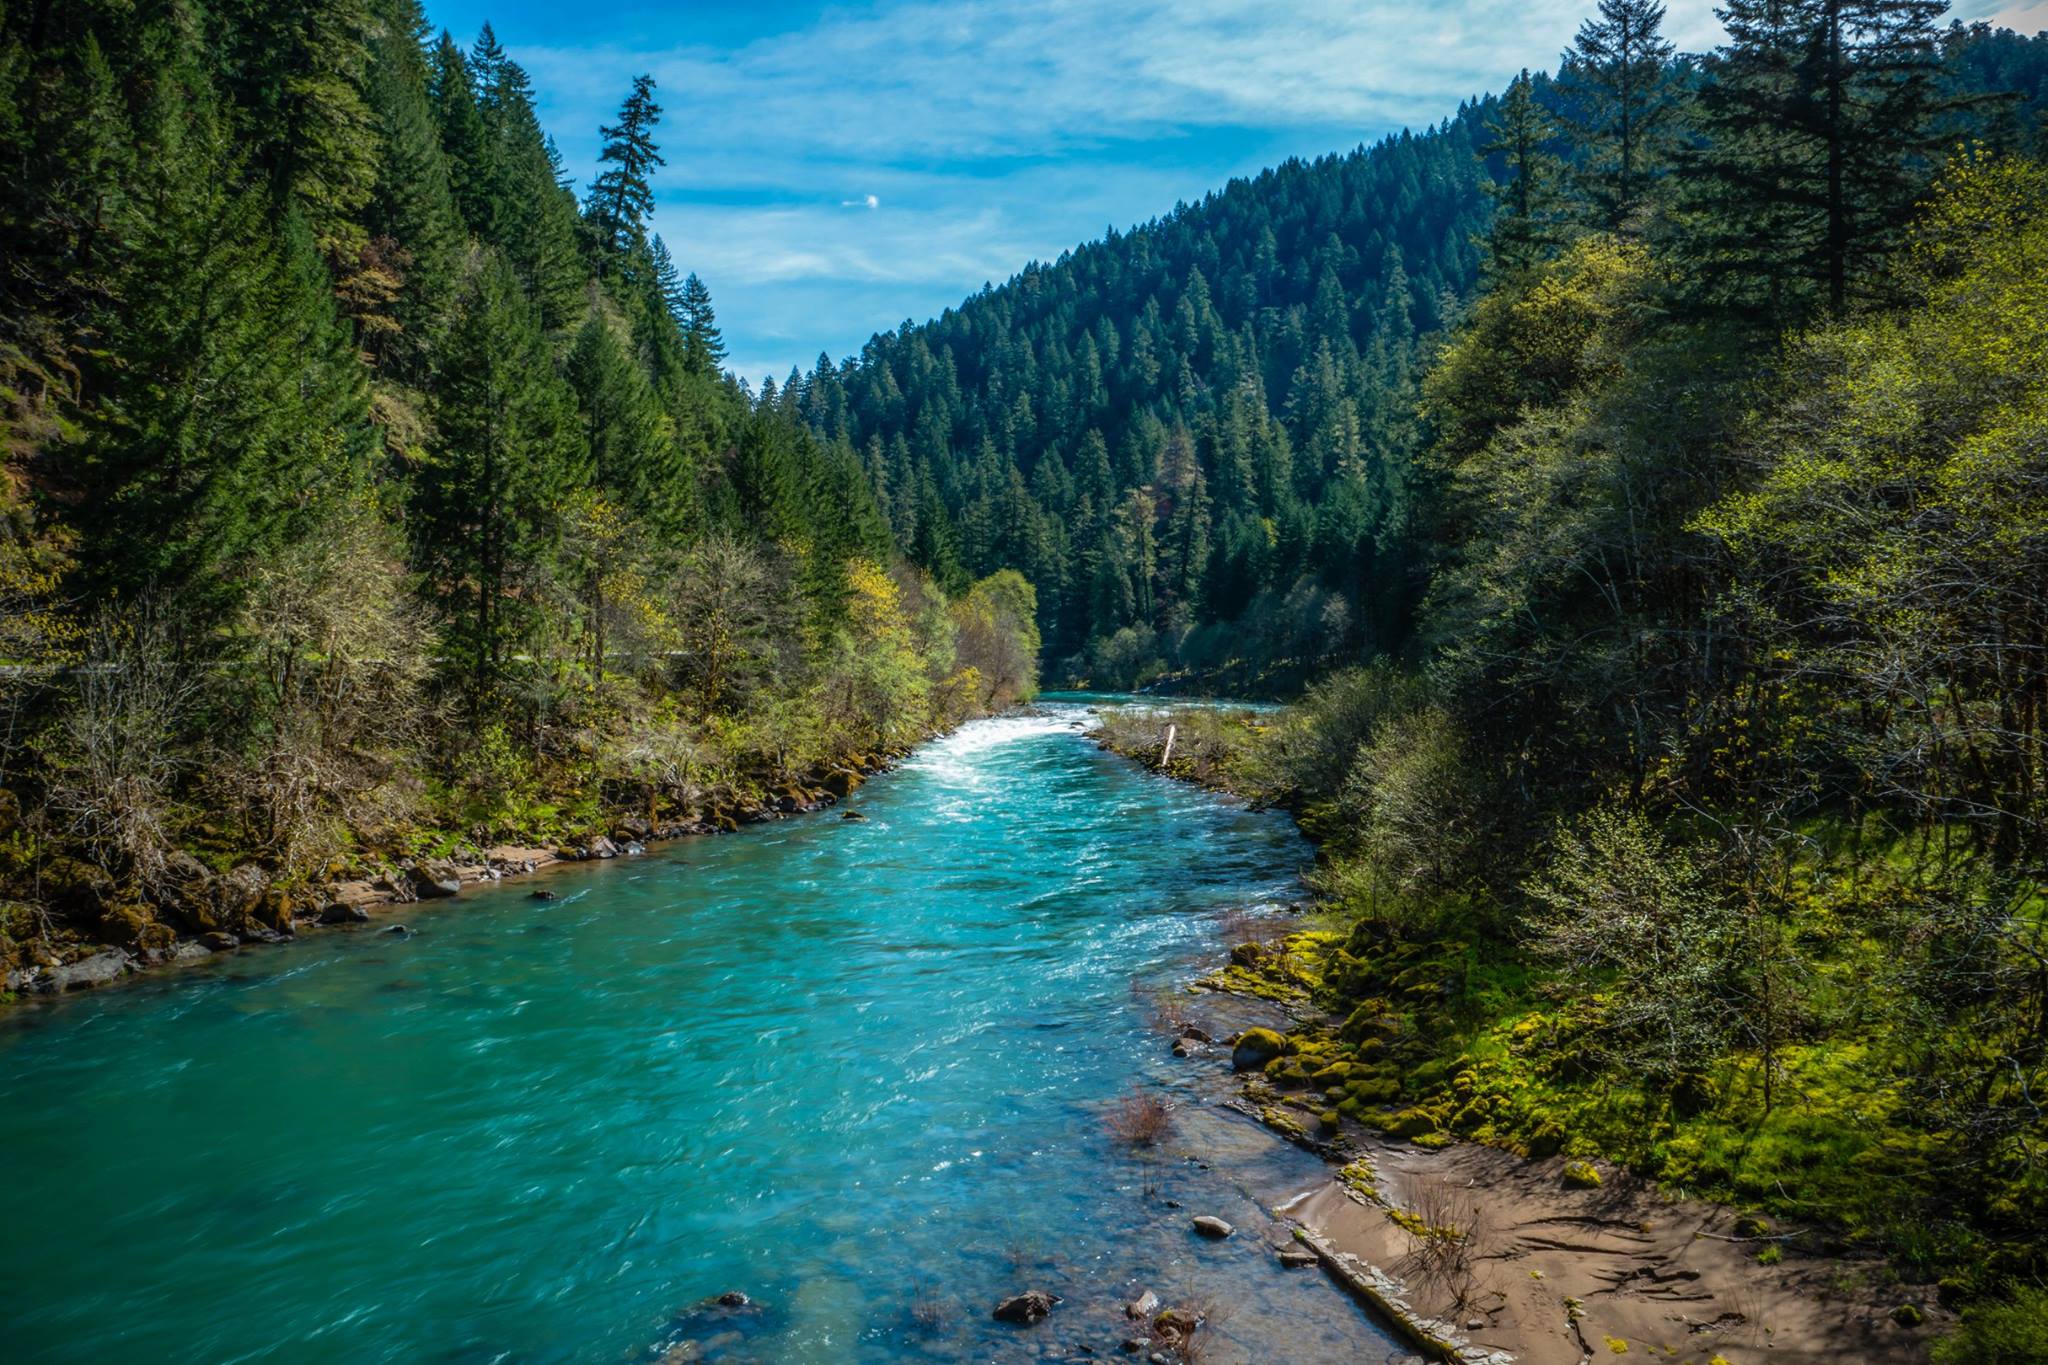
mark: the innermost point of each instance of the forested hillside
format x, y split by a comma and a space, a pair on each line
1700, 822
1199, 438
368, 494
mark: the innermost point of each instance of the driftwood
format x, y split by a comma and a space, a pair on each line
1166, 754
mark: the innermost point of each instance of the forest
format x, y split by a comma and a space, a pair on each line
1694, 815
1638, 479
370, 496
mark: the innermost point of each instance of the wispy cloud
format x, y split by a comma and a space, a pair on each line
1002, 130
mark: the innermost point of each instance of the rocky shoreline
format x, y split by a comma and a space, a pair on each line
1475, 1255
215, 912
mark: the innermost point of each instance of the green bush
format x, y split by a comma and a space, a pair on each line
2011, 1332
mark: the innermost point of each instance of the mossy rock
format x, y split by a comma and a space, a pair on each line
1580, 1175
1330, 1120
1246, 955
1332, 1076
1544, 1140
1909, 1315
1412, 1123
1255, 1047
1375, 1091
1750, 1225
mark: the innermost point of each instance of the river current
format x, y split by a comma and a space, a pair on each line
855, 1069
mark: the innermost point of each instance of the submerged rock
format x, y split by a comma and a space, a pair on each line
1027, 1307
851, 815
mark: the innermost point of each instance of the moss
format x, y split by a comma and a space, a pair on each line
1330, 1120
1411, 1123
1909, 1315
1770, 1255
1749, 1225
1580, 1175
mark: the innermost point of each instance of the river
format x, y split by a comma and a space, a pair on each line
855, 1069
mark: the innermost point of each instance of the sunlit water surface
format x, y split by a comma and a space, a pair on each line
855, 1069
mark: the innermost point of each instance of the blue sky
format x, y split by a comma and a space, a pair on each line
835, 169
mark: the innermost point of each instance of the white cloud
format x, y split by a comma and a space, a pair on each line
1006, 130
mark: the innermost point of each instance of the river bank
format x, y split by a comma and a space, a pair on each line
1485, 1253
215, 913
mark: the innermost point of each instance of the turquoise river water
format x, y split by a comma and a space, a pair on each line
855, 1069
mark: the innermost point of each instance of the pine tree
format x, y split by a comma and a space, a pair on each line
621, 199
412, 205
704, 347
1819, 119
1618, 91
231, 405
464, 140
488, 500
1528, 222
633, 457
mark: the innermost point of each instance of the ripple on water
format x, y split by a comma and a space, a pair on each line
849, 1067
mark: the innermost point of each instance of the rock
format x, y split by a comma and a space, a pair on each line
1130, 1346
339, 913
1246, 955
543, 895
241, 898
1209, 1225
635, 849
841, 782
1182, 1048
851, 815
1195, 1035
1143, 1307
185, 950
400, 930
1749, 1225
436, 877
733, 1298
633, 830
1475, 1324
1580, 1175
1027, 1307
220, 941
1909, 1315
1255, 1047
186, 888
601, 847
96, 970
1297, 1258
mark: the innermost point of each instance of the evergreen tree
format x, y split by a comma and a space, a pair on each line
621, 198
412, 206
633, 457
1618, 90
464, 140
1528, 219
1819, 120
488, 501
704, 347
231, 405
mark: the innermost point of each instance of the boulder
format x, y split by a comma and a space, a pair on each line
1209, 1225
543, 895
1028, 1307
340, 913
842, 781
601, 847
851, 815
1255, 1047
400, 930
96, 970
219, 941
1580, 1175
241, 897
633, 830
436, 877
1195, 1035
186, 888
1142, 1307
1183, 1048
733, 1298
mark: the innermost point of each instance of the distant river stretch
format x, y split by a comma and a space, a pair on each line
854, 1069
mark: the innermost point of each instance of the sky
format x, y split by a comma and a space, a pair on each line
835, 169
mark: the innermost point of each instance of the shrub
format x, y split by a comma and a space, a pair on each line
2000, 1333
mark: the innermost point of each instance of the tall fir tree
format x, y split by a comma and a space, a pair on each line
488, 501
231, 405
621, 199
704, 346
1528, 219
412, 205
1620, 100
